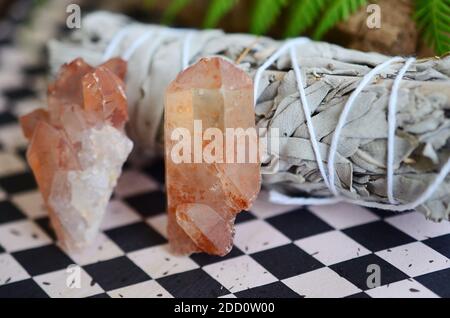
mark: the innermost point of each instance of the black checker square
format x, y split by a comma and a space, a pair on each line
102, 295
116, 273
45, 224
379, 235
148, 203
135, 236
204, 259
193, 284
157, 171
274, 290
358, 271
299, 224
244, 216
7, 118
287, 261
440, 244
22, 289
41, 260
9, 212
18, 183
438, 282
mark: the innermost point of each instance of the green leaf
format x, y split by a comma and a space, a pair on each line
339, 10
302, 15
264, 13
173, 9
216, 10
433, 19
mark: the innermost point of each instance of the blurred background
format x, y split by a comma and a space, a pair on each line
408, 27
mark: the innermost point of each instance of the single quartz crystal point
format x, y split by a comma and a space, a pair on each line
78, 146
206, 107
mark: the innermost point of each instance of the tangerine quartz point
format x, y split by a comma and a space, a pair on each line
205, 196
78, 146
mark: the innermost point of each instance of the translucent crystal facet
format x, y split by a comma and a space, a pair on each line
204, 197
78, 146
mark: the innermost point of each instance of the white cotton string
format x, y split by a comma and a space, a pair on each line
137, 44
392, 123
272, 59
307, 112
186, 50
279, 198
343, 118
112, 46
432, 187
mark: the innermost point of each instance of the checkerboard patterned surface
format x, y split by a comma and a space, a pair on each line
280, 251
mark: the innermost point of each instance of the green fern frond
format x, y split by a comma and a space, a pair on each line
339, 10
302, 15
216, 10
173, 9
433, 18
264, 14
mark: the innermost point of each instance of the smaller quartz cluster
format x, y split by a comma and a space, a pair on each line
78, 146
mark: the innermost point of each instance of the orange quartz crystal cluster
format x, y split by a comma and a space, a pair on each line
205, 196
78, 146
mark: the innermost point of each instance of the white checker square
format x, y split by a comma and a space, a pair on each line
10, 79
159, 223
230, 296
417, 226
408, 288
102, 249
239, 273
415, 259
258, 235
321, 283
118, 214
10, 270
158, 261
332, 247
30, 203
63, 284
133, 182
26, 106
11, 137
264, 209
343, 215
20, 235
148, 289
14, 58
10, 164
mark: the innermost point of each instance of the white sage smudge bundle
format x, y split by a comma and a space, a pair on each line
330, 73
